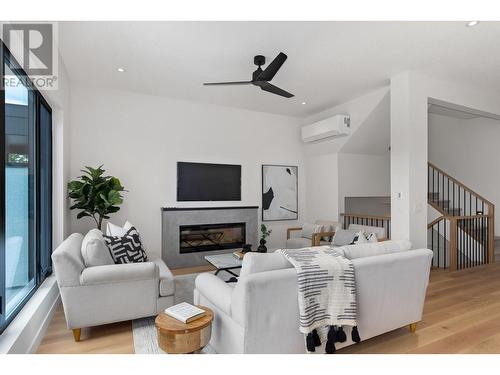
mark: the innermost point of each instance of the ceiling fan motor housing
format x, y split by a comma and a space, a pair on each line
259, 60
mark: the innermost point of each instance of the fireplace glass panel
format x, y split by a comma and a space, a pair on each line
211, 237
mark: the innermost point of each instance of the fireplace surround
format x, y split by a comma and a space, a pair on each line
188, 234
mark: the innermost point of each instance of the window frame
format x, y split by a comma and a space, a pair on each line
6, 57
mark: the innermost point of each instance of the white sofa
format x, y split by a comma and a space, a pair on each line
110, 293
260, 313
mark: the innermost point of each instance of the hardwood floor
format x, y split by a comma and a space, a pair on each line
461, 315
107, 339
196, 269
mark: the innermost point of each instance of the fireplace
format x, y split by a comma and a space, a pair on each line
211, 237
191, 233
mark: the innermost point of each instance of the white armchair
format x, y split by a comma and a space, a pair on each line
295, 238
105, 294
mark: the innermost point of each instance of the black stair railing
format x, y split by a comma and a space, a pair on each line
463, 236
460, 242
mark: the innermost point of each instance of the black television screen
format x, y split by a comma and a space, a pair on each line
208, 182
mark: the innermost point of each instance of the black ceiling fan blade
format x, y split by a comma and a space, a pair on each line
266, 86
227, 83
272, 68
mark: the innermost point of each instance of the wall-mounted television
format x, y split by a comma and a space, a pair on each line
208, 182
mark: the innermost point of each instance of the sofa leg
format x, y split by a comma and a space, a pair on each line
413, 327
76, 334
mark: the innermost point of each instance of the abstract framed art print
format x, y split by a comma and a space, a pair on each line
279, 192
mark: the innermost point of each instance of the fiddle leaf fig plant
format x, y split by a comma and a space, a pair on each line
95, 195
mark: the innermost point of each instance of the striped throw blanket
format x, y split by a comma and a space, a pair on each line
326, 294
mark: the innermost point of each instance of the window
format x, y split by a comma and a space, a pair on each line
25, 189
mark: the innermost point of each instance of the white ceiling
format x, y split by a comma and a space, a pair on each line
328, 62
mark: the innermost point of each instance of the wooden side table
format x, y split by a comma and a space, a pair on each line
175, 337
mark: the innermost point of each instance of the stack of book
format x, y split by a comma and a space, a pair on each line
185, 312
239, 255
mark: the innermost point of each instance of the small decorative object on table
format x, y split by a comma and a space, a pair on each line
264, 234
246, 248
176, 337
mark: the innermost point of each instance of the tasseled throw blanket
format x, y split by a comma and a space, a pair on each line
327, 295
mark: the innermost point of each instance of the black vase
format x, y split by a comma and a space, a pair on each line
262, 248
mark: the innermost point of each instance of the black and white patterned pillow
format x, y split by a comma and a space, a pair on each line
126, 249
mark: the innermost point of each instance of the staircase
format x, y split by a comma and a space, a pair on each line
463, 235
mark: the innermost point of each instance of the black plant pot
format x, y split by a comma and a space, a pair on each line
262, 248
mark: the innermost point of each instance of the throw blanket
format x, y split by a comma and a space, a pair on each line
327, 295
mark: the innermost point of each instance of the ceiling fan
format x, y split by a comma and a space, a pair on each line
261, 77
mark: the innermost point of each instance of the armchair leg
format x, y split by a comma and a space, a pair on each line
413, 327
76, 334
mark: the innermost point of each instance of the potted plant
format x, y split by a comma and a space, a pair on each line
264, 234
96, 195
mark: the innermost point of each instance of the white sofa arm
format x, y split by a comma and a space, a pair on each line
391, 289
118, 273
215, 290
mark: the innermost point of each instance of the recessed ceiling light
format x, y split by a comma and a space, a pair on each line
472, 23
121, 70
304, 103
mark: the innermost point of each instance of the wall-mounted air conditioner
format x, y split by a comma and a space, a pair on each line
336, 126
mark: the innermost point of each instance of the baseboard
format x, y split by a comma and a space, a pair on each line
45, 325
25, 332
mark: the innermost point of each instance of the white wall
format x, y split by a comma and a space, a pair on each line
363, 176
139, 139
322, 187
324, 172
468, 151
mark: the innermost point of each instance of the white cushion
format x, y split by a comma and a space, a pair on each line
116, 230
372, 237
119, 273
328, 226
343, 237
372, 249
262, 262
361, 238
379, 231
309, 229
94, 250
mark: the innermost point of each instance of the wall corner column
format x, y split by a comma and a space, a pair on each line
409, 139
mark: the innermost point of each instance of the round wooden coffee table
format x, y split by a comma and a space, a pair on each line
175, 337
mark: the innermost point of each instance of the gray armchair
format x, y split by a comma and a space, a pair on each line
106, 294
